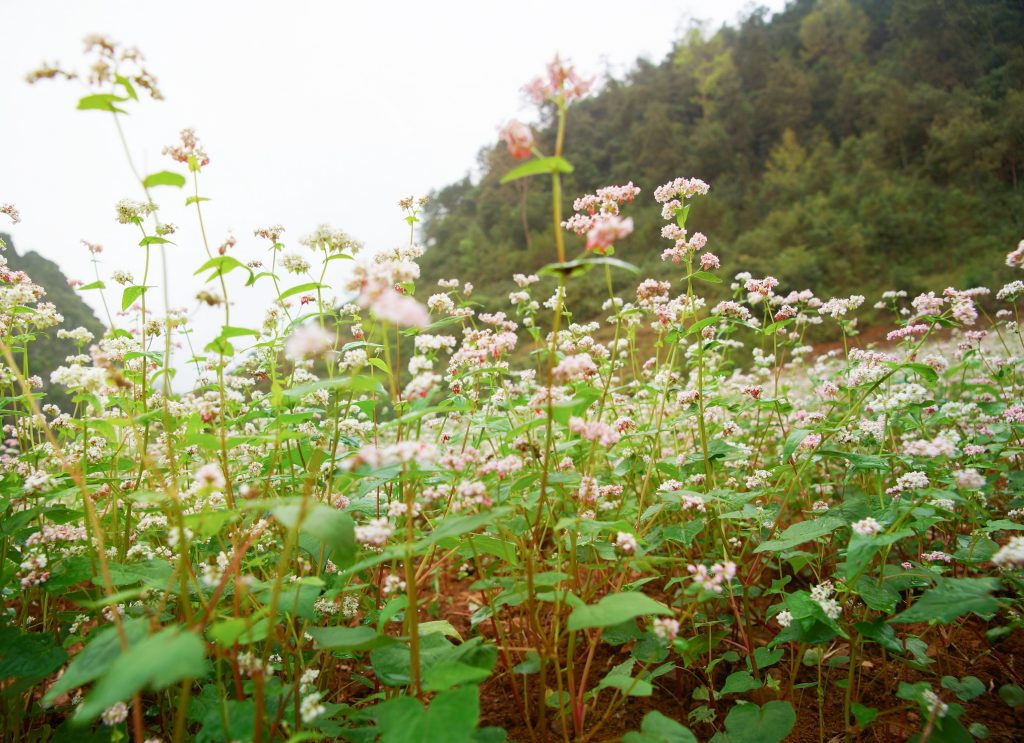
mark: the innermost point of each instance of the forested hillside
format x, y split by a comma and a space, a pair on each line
851, 146
48, 351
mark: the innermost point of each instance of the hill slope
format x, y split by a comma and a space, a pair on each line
851, 145
48, 352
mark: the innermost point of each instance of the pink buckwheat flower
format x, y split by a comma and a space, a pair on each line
969, 479
375, 533
713, 579
399, 310
11, 211
1014, 414
1015, 259
562, 83
907, 332
625, 542
211, 476
665, 628
606, 230
597, 431
519, 139
190, 151
579, 366
709, 262
308, 342
683, 188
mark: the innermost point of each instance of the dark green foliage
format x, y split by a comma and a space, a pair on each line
48, 352
852, 146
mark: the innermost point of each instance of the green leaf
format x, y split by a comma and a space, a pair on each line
530, 665
455, 526
150, 573
127, 85
1012, 694
31, 655
615, 608
392, 660
858, 462
93, 285
952, 598
582, 265
401, 720
607, 260
537, 166
800, 532
391, 609
682, 214
978, 730
706, 276
701, 324
101, 102
302, 289
194, 200
629, 686
657, 728
154, 240
566, 268
332, 527
865, 715
966, 688
1002, 525
452, 718
766, 657
360, 383
739, 682
343, 638
226, 720
222, 265
862, 550
243, 630
229, 331
930, 375
101, 650
748, 723
793, 441
164, 178
156, 662
446, 674
131, 293
773, 329
220, 346
878, 597
439, 625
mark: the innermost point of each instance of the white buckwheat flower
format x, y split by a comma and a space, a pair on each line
626, 542
1010, 555
867, 527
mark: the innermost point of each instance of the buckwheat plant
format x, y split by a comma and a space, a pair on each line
384, 512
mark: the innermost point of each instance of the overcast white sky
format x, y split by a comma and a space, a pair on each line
311, 112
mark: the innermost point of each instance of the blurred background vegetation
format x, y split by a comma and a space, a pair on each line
852, 146
47, 352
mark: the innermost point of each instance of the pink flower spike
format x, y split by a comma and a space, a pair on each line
606, 230
519, 139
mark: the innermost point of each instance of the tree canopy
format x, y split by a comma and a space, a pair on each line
851, 145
